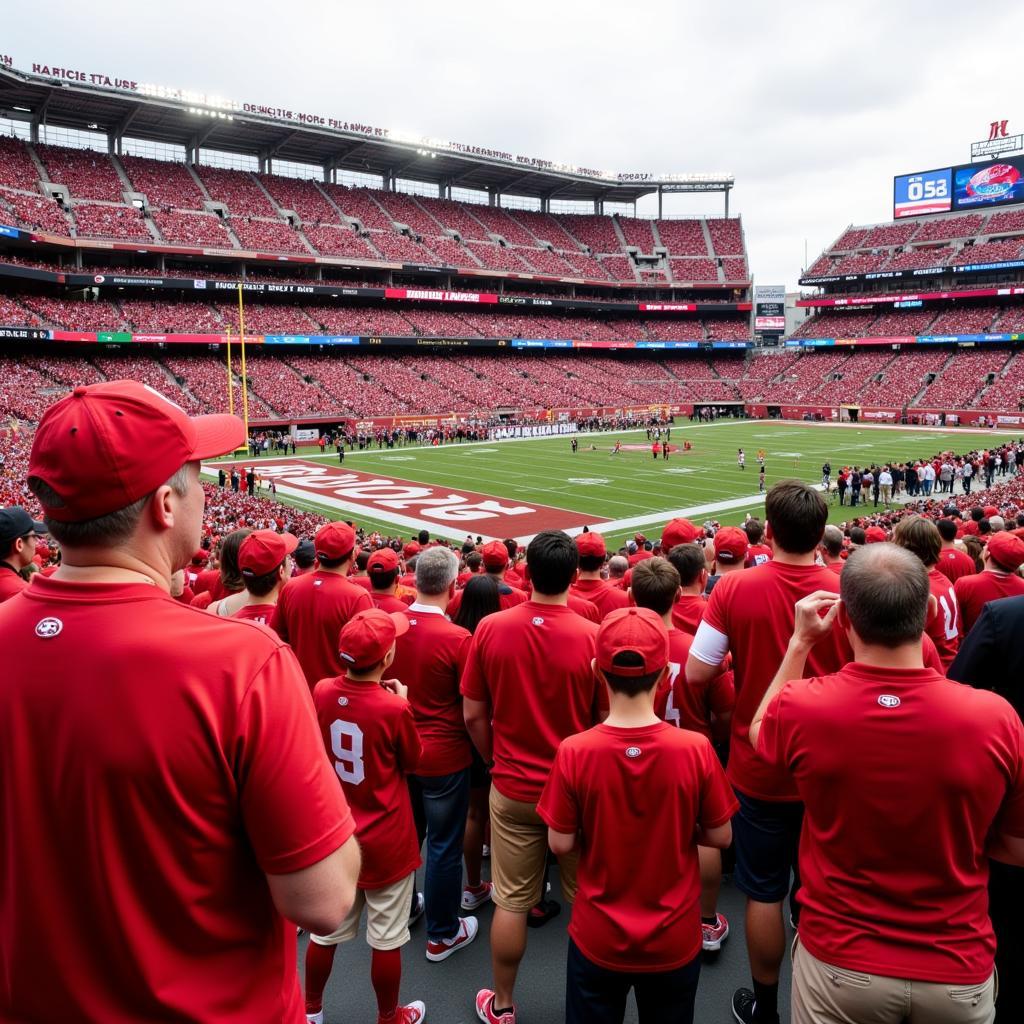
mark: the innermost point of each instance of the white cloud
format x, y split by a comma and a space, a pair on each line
814, 106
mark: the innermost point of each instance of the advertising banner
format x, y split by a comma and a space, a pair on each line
769, 308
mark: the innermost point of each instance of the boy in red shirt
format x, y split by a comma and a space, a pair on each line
265, 567
638, 794
368, 729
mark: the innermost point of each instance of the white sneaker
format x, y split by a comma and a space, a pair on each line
315, 1018
473, 898
443, 948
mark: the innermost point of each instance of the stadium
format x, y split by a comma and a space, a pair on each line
436, 342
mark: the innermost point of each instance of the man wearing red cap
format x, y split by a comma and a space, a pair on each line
369, 732
630, 793
528, 684
264, 563
730, 546
750, 613
495, 562
312, 609
19, 535
589, 585
679, 531
875, 535
383, 567
1002, 557
218, 813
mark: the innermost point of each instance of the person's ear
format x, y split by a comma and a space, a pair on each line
161, 508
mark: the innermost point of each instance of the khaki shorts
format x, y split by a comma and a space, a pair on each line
387, 916
519, 851
823, 994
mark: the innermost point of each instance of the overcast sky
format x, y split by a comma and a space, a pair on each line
813, 106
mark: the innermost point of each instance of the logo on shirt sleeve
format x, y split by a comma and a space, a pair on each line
887, 700
633, 751
48, 627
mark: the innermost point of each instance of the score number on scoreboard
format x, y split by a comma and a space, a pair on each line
927, 192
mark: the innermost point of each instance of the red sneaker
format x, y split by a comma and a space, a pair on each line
441, 949
715, 934
485, 1009
414, 1013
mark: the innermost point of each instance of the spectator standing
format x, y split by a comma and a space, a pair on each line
861, 953
688, 561
382, 569
830, 549
19, 535
589, 585
494, 555
265, 565
953, 562
730, 546
192, 784
1002, 556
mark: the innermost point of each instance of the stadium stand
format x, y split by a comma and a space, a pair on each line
205, 229
267, 235
37, 214
16, 167
96, 220
165, 184
86, 173
683, 237
238, 190
963, 377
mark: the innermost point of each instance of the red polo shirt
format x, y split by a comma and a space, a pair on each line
892, 858
974, 592
954, 564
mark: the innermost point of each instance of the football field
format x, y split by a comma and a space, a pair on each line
517, 488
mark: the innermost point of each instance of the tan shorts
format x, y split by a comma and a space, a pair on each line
519, 851
387, 916
823, 994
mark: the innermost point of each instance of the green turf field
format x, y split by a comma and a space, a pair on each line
634, 491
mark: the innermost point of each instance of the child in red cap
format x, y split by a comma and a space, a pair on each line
369, 731
636, 791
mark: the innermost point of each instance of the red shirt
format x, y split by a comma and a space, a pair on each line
584, 608
11, 582
206, 580
974, 592
758, 554
640, 556
637, 795
210, 773
942, 626
261, 613
310, 614
187, 595
754, 610
531, 665
688, 611
429, 659
360, 581
836, 567
508, 597
600, 593
370, 735
954, 564
202, 601
387, 603
892, 858
691, 706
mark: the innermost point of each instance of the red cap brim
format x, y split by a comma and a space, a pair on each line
217, 435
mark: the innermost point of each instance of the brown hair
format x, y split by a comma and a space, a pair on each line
797, 514
919, 536
655, 584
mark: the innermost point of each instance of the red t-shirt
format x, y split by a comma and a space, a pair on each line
202, 601
637, 796
310, 614
261, 613
210, 774
584, 608
361, 581
187, 595
370, 735
754, 610
836, 567
206, 580
691, 706
974, 592
600, 593
943, 627
954, 564
688, 611
531, 665
387, 603
11, 583
429, 659
640, 556
508, 597
892, 858
758, 554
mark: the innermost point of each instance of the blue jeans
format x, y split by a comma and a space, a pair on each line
440, 804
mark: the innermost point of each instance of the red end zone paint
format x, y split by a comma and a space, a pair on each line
409, 503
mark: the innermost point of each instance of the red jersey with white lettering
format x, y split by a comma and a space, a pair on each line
261, 613
974, 592
753, 609
692, 706
11, 582
637, 796
758, 554
688, 611
866, 905
311, 611
210, 774
429, 659
508, 597
599, 593
954, 563
532, 666
942, 626
371, 738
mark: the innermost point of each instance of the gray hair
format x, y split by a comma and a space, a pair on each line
617, 566
885, 592
436, 569
997, 523
832, 540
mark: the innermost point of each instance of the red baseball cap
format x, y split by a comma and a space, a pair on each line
200, 557
105, 446
679, 531
384, 560
731, 544
970, 528
411, 549
334, 540
875, 535
990, 511
367, 637
264, 550
1007, 549
591, 545
495, 554
637, 630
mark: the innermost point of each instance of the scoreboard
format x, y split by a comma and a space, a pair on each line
966, 187
926, 192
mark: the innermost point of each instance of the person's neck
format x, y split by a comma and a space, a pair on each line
595, 575
387, 591
555, 599
631, 712
667, 619
948, 545
433, 600
271, 598
829, 560
115, 565
341, 570
906, 656
791, 558
368, 677
694, 591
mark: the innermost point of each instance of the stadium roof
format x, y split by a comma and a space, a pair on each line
66, 98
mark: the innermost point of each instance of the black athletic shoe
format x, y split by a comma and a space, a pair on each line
743, 1008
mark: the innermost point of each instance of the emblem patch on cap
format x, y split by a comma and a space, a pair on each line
48, 627
537, 620
887, 700
633, 751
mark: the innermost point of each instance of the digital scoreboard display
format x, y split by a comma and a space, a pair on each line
925, 192
978, 186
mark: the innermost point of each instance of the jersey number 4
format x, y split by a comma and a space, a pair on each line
347, 747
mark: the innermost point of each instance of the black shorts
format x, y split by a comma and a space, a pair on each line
766, 834
479, 775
